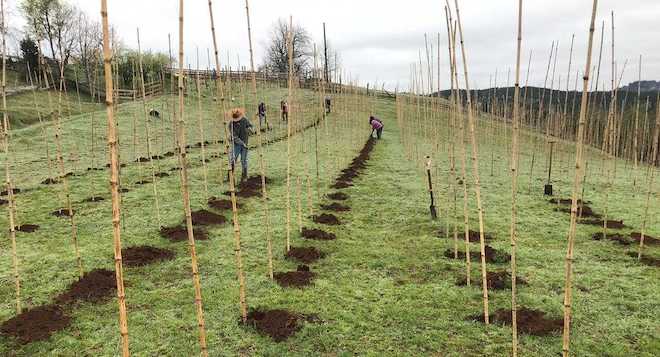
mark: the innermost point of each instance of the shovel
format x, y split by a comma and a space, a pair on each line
434, 213
547, 190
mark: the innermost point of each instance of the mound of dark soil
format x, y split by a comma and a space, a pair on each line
27, 228
221, 204
124, 190
143, 255
492, 255
473, 236
162, 174
497, 280
157, 157
326, 218
50, 181
36, 324
278, 324
3, 202
648, 240
587, 211
94, 286
62, 212
15, 190
180, 233
142, 159
120, 165
599, 222
338, 196
529, 321
207, 218
94, 199
317, 234
295, 279
646, 259
95, 169
175, 169
168, 154
305, 254
143, 182
341, 184
336, 207
615, 237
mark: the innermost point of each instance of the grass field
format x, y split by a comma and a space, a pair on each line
385, 286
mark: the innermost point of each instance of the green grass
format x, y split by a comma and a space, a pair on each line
385, 287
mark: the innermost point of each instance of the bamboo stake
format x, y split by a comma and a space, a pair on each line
180, 115
514, 185
475, 166
636, 130
288, 135
147, 133
653, 162
114, 181
262, 166
577, 182
232, 186
200, 124
8, 183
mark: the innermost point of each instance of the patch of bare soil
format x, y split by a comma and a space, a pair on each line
27, 228
207, 218
162, 174
15, 190
94, 199
496, 280
295, 279
180, 233
62, 212
143, 255
36, 324
648, 240
326, 218
50, 181
646, 259
613, 224
278, 324
305, 254
317, 234
529, 321
615, 237
94, 286
222, 204
492, 255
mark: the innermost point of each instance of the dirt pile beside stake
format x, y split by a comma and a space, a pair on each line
648, 240
295, 279
646, 259
278, 324
496, 280
94, 286
143, 255
529, 321
63, 212
36, 324
207, 218
587, 211
304, 254
326, 218
473, 236
317, 234
27, 228
221, 204
354, 170
492, 255
613, 224
94, 199
180, 233
615, 237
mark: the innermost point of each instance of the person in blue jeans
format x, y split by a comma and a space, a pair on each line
240, 129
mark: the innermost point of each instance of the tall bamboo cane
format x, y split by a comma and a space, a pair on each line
148, 134
577, 182
288, 135
200, 125
262, 167
514, 185
475, 166
232, 186
180, 116
8, 183
114, 181
653, 162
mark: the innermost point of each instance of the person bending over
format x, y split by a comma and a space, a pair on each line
376, 126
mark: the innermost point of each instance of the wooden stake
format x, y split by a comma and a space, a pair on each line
114, 181
180, 115
288, 135
577, 183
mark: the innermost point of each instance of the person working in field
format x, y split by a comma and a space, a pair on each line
262, 116
284, 106
328, 104
240, 129
376, 125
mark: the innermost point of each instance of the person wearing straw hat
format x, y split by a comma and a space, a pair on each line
240, 129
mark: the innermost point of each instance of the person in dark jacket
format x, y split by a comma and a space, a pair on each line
284, 107
240, 129
262, 116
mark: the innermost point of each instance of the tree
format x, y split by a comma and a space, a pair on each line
277, 53
29, 53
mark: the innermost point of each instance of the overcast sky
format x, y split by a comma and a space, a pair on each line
378, 40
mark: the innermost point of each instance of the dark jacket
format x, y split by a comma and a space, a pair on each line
240, 131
